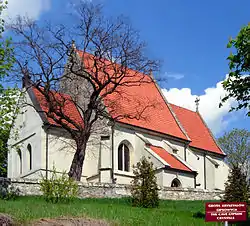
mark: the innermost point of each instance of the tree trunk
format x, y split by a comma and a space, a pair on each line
75, 171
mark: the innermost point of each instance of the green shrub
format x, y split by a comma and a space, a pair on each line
236, 188
144, 189
7, 191
12, 193
58, 188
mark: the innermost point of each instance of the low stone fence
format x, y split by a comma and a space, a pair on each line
94, 190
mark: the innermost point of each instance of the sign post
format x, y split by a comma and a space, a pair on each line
226, 212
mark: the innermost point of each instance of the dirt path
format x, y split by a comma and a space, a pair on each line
69, 222
6, 220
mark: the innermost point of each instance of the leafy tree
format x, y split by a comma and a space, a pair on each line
236, 187
144, 189
8, 96
6, 50
236, 144
237, 84
8, 111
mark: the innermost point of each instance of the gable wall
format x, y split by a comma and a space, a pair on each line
27, 123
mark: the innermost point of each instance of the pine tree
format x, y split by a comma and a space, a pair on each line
144, 189
237, 187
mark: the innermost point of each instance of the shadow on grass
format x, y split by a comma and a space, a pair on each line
199, 215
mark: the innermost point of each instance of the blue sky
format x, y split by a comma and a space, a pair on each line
190, 38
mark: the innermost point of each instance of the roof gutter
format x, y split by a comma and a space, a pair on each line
179, 170
205, 173
154, 133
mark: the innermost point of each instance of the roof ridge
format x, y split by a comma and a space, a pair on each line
105, 59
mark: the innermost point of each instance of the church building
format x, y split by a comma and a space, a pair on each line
177, 141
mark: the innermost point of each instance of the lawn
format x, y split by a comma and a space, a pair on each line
118, 211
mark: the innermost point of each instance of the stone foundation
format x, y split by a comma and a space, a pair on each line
94, 190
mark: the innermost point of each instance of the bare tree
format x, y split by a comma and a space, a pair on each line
236, 144
109, 57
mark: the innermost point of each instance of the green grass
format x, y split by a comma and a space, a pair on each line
115, 210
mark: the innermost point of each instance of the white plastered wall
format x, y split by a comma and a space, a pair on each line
61, 152
221, 174
29, 127
186, 179
196, 159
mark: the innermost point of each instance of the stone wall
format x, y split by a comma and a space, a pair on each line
94, 190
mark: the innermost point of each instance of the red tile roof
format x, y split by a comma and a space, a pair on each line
196, 129
145, 103
142, 101
69, 109
173, 162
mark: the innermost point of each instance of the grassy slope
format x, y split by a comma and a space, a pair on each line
116, 210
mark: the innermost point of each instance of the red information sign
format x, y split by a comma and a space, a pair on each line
226, 211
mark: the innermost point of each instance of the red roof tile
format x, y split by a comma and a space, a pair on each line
169, 158
196, 129
142, 101
69, 109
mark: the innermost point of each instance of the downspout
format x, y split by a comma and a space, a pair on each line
205, 179
112, 153
195, 175
185, 152
46, 127
47, 154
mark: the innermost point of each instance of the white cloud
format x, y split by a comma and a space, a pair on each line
216, 118
175, 76
30, 8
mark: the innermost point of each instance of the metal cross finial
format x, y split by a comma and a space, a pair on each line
197, 100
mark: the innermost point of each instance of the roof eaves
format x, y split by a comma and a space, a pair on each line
151, 132
207, 151
182, 171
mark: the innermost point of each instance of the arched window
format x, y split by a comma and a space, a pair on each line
123, 157
20, 160
176, 183
30, 156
